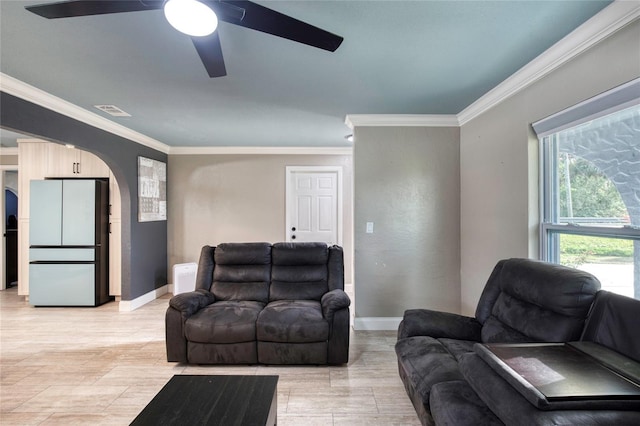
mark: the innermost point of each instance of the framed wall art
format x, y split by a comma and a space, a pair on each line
152, 190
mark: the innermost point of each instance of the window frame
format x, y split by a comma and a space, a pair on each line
550, 228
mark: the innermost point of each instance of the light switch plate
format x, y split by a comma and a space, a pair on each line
369, 227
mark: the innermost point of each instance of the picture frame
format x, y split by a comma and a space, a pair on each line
152, 190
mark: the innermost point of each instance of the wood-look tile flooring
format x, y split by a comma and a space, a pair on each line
100, 366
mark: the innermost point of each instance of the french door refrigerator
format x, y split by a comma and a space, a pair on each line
69, 242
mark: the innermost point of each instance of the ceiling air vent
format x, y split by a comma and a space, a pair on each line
112, 110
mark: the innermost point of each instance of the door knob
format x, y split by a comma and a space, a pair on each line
293, 237
293, 229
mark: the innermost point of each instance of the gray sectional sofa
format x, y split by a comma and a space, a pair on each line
447, 375
262, 303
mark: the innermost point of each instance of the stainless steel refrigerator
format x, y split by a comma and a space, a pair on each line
69, 242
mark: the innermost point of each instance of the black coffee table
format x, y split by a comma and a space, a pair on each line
213, 400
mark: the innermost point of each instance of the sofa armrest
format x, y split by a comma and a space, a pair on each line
191, 302
181, 307
335, 309
334, 301
514, 409
436, 324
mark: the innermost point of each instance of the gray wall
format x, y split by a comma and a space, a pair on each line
407, 181
238, 198
499, 158
144, 245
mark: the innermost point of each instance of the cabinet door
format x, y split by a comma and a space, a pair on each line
114, 198
74, 162
46, 213
61, 161
62, 284
90, 165
115, 265
79, 212
32, 163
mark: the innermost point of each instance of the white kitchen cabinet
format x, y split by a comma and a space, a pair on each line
115, 240
73, 162
115, 264
32, 164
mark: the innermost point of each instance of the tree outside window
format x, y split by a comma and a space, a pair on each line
592, 199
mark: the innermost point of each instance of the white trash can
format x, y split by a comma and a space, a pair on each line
184, 277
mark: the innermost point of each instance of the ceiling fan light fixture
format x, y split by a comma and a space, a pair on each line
191, 17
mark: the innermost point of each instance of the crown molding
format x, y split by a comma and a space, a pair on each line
20, 89
609, 20
401, 120
259, 150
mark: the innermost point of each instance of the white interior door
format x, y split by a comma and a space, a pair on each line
314, 204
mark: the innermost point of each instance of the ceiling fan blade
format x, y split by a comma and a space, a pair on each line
210, 52
260, 18
68, 9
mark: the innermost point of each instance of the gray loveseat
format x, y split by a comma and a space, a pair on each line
261, 303
523, 301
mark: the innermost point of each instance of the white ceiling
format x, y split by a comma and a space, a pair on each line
398, 57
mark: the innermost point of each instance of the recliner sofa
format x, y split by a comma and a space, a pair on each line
523, 301
262, 303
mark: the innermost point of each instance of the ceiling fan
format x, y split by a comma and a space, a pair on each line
243, 13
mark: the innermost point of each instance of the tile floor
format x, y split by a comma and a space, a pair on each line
100, 366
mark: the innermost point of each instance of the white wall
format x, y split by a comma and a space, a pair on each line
11, 180
238, 198
498, 158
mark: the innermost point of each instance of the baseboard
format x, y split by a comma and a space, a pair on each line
132, 305
377, 323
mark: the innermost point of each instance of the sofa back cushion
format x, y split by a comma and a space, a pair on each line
299, 271
242, 271
532, 301
614, 322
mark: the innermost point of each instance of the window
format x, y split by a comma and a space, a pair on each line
590, 186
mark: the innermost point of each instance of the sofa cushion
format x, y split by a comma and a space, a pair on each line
537, 301
423, 362
514, 320
299, 271
292, 321
224, 322
221, 353
242, 271
612, 320
243, 254
292, 353
456, 347
456, 404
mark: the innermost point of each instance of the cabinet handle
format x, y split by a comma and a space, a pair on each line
74, 168
78, 167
